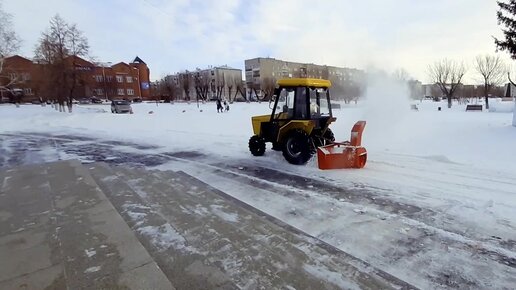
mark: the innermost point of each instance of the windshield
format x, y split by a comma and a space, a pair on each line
121, 103
319, 102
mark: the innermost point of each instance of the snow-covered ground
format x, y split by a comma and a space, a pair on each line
458, 165
477, 139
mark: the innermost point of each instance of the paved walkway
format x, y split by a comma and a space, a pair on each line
58, 231
65, 225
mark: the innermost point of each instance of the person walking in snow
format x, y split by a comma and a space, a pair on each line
219, 106
226, 105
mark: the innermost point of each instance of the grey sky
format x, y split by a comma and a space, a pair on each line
181, 34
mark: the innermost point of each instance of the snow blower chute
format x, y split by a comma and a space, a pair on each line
349, 154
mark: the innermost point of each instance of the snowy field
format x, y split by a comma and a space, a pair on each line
459, 166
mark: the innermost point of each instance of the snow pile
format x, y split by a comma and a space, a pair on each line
514, 115
501, 107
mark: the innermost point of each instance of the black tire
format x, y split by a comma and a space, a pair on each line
326, 139
329, 137
297, 148
257, 145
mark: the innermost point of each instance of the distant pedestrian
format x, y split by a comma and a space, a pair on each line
220, 109
226, 106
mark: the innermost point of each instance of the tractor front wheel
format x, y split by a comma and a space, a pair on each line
257, 145
297, 147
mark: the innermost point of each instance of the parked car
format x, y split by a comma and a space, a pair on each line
84, 101
121, 107
95, 100
137, 100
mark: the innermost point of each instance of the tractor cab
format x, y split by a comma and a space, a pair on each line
302, 99
298, 123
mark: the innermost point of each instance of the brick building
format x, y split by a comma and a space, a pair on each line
24, 77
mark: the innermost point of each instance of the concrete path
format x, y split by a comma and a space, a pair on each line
65, 225
59, 231
204, 239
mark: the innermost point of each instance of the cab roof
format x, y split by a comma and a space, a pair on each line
304, 82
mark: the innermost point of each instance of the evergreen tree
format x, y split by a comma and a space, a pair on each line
506, 17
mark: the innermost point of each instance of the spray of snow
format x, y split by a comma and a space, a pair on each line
386, 108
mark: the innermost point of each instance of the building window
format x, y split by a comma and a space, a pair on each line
98, 78
130, 92
26, 77
256, 74
212, 73
12, 76
27, 91
99, 92
109, 79
120, 79
120, 91
129, 79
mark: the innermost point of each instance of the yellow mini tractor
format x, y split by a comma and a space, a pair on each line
298, 124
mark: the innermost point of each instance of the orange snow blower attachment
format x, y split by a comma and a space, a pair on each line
349, 154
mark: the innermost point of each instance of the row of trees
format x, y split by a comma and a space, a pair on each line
200, 84
492, 71
9, 44
55, 51
448, 75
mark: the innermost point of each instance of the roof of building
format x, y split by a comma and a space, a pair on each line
137, 59
18, 57
79, 61
304, 82
226, 67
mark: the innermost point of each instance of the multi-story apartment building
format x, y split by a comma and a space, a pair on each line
122, 80
215, 82
260, 72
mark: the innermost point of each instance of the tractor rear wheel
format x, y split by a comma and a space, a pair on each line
257, 145
297, 148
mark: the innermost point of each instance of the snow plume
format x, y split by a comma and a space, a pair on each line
386, 106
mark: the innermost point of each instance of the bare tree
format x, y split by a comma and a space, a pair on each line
230, 85
201, 85
465, 92
492, 72
447, 74
220, 84
267, 87
57, 50
9, 44
9, 41
184, 81
401, 75
239, 87
169, 89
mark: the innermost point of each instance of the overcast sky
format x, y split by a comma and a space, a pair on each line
175, 35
